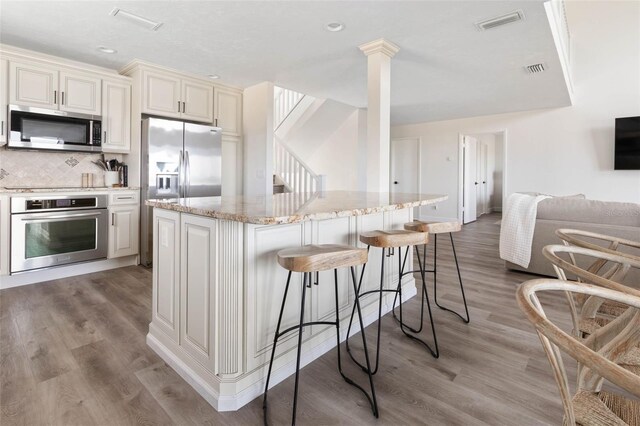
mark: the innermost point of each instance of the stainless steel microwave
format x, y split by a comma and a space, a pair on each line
39, 128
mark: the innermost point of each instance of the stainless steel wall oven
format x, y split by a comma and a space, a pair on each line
53, 231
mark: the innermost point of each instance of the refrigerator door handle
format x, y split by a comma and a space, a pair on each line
180, 175
187, 173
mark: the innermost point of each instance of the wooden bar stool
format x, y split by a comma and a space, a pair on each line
436, 228
308, 260
388, 241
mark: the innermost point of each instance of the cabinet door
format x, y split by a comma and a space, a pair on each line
4, 235
265, 282
227, 107
165, 303
116, 117
197, 101
123, 231
33, 85
198, 287
161, 94
4, 85
80, 93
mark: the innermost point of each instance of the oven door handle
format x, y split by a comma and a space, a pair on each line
63, 217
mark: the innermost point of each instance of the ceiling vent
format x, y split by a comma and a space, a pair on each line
500, 20
535, 68
136, 19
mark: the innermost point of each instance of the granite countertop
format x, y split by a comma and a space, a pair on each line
292, 208
65, 189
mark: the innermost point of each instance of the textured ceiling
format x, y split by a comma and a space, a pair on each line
446, 68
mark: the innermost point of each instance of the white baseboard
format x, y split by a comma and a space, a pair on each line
254, 390
34, 277
496, 209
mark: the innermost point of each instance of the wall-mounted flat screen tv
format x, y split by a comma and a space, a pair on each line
627, 155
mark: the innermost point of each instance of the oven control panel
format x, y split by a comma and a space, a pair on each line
69, 203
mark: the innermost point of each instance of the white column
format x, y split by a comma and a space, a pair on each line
379, 54
257, 122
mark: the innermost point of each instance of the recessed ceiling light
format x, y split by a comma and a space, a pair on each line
136, 19
214, 76
106, 49
334, 27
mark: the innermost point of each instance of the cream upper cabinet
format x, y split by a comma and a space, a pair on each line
162, 94
169, 95
4, 85
197, 101
228, 111
80, 93
116, 117
33, 85
47, 87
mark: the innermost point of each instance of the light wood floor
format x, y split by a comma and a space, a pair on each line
73, 351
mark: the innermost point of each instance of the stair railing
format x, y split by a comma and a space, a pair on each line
296, 175
284, 102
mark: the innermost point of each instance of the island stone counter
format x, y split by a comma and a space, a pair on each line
217, 287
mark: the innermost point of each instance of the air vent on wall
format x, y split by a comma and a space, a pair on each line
136, 19
535, 68
500, 20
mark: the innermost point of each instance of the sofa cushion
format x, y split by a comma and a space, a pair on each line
589, 211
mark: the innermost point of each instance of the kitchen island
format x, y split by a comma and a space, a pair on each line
217, 287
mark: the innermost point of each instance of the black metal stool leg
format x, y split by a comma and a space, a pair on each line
357, 297
466, 318
395, 298
372, 398
295, 390
435, 352
273, 349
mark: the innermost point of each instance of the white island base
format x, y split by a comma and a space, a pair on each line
217, 290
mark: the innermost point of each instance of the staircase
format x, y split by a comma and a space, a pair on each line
291, 174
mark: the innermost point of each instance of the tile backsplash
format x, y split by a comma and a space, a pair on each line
39, 169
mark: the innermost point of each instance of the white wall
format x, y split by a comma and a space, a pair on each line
337, 156
330, 138
257, 124
565, 150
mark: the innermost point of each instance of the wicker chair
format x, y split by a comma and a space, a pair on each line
589, 405
594, 312
609, 244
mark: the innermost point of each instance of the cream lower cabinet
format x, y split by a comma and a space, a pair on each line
124, 224
4, 234
4, 86
198, 285
218, 288
166, 274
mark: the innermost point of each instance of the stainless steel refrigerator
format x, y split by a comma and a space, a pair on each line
179, 160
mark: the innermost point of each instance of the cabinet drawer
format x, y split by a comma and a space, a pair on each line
121, 198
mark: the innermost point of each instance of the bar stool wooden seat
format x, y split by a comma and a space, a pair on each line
388, 241
435, 228
311, 259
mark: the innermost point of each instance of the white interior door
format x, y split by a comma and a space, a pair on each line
470, 197
405, 166
481, 179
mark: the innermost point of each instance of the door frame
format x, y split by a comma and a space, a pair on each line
419, 174
505, 145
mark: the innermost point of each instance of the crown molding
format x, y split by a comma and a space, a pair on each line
379, 46
14, 53
140, 64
